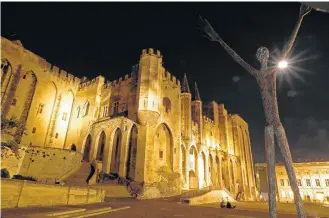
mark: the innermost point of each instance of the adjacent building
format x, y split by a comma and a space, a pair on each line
312, 179
138, 127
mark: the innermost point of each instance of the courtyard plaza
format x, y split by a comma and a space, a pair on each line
162, 208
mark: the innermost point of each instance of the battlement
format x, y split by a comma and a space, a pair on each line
89, 83
208, 120
41, 62
114, 83
150, 51
168, 76
238, 120
63, 75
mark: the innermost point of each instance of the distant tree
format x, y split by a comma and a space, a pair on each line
5, 173
14, 128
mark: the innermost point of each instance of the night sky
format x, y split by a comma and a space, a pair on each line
90, 39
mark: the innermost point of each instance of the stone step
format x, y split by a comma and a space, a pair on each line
80, 177
113, 190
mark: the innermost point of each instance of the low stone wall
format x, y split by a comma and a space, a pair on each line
49, 165
19, 193
211, 197
10, 161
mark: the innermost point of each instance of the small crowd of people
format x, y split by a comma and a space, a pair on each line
227, 204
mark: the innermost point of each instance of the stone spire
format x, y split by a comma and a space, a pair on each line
196, 92
185, 87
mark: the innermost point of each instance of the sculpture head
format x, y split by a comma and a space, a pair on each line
263, 55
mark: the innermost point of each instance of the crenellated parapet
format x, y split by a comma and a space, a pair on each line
63, 76
33, 62
169, 77
208, 120
89, 84
151, 52
237, 120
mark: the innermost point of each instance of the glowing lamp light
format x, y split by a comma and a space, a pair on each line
283, 64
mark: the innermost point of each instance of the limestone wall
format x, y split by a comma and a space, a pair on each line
19, 193
48, 165
10, 161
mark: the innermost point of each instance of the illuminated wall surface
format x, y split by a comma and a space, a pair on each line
134, 126
312, 180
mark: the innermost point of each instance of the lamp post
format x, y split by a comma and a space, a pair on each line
266, 79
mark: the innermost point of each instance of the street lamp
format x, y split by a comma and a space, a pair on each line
283, 64
266, 79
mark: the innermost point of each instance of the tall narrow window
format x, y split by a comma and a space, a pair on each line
34, 130
317, 182
105, 111
288, 182
282, 182
78, 111
116, 107
64, 116
327, 182
308, 182
56, 135
40, 108
13, 103
85, 109
299, 182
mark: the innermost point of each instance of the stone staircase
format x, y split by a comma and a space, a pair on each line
187, 194
80, 177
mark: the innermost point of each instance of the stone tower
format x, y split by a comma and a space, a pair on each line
148, 89
186, 113
197, 112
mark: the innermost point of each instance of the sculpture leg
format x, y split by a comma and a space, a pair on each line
270, 158
284, 147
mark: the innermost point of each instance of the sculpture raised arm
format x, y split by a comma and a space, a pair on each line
304, 10
213, 36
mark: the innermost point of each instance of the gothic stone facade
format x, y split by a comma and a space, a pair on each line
145, 126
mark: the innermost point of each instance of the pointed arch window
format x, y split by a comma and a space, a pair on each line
78, 111
166, 104
86, 109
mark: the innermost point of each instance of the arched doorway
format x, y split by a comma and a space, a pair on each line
232, 176
163, 140
73, 147
211, 171
194, 168
223, 165
203, 172
218, 176
116, 152
86, 153
183, 152
193, 179
100, 147
131, 154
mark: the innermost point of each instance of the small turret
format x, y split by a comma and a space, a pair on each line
148, 89
196, 93
197, 111
185, 87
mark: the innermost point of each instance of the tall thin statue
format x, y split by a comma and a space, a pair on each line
266, 79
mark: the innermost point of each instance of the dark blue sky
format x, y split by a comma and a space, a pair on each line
88, 39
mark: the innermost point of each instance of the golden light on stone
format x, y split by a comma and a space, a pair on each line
59, 119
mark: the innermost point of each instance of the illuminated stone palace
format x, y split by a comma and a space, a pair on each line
133, 126
312, 180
